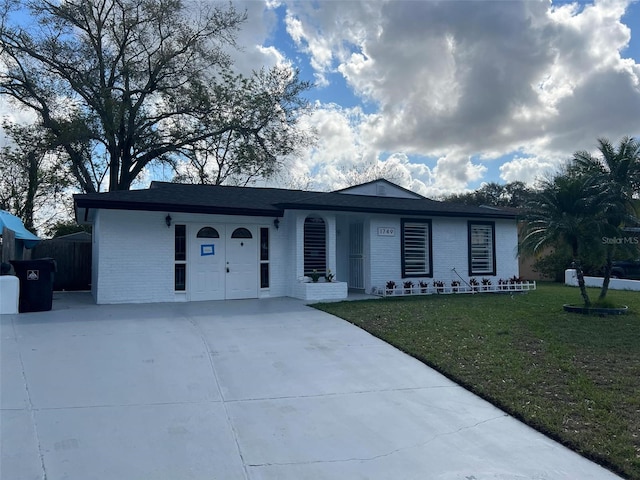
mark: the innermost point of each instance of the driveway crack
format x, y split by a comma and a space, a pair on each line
386, 454
30, 407
208, 351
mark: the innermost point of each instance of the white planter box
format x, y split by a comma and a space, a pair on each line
321, 291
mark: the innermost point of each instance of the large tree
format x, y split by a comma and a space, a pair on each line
123, 83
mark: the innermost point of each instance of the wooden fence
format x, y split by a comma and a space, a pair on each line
73, 263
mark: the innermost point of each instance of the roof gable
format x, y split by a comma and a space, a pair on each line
380, 188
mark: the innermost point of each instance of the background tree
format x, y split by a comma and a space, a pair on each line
262, 114
66, 227
513, 194
32, 176
123, 83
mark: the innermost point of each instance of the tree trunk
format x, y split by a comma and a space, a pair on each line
32, 190
582, 285
607, 276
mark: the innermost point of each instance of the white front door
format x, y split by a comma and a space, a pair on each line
241, 262
207, 265
223, 262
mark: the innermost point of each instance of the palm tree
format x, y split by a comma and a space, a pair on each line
615, 179
619, 167
562, 213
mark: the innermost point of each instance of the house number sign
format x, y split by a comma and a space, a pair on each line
386, 232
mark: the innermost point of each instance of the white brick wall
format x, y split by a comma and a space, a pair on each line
135, 262
134, 255
383, 252
134, 252
450, 250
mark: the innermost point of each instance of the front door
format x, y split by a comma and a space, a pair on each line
207, 267
224, 263
241, 263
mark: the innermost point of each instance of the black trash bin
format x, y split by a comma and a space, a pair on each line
36, 284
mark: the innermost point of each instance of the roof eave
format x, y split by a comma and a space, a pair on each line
393, 211
171, 207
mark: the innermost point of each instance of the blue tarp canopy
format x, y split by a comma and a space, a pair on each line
15, 224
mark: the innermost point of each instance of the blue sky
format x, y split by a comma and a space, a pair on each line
444, 96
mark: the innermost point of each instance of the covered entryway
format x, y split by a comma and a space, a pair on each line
223, 263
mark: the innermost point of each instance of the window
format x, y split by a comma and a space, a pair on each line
208, 232
241, 233
180, 243
180, 277
482, 246
315, 246
180, 255
264, 258
416, 248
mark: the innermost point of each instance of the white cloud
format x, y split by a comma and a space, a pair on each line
527, 169
461, 79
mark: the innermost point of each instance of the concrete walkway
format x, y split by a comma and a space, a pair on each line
249, 389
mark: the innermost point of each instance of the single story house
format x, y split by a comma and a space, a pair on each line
176, 242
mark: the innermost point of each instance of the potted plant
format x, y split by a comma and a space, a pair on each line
455, 286
423, 286
474, 284
486, 284
314, 275
513, 281
439, 286
408, 287
391, 287
329, 276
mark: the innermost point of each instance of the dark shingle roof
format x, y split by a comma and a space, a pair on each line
175, 197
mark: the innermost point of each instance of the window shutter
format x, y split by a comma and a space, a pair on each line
481, 249
416, 249
315, 246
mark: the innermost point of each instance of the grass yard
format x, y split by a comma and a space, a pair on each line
574, 377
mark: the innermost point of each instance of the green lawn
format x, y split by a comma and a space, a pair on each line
574, 377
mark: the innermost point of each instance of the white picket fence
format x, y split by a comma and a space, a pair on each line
449, 290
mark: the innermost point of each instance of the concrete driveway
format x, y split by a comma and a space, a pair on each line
249, 389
